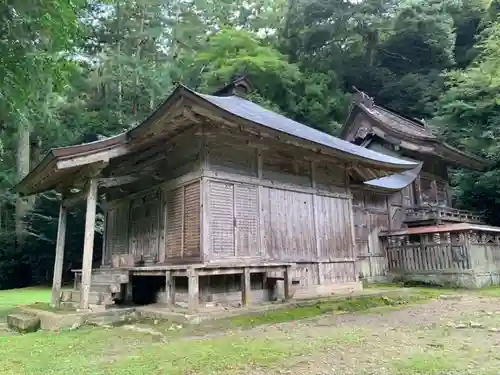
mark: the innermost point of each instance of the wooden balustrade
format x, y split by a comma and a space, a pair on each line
426, 257
438, 214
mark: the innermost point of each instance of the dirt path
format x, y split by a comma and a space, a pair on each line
443, 337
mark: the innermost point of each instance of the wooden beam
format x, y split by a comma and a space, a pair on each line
70, 199
88, 244
101, 156
79, 180
352, 229
59, 259
109, 182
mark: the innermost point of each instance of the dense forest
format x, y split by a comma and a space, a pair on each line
76, 71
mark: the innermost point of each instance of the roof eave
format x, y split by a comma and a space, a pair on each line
464, 159
25, 182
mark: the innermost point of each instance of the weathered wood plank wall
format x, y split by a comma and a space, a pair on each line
371, 215
269, 202
161, 223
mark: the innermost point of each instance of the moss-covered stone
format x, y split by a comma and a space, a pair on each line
23, 323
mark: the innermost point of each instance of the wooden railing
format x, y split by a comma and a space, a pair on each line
440, 213
427, 257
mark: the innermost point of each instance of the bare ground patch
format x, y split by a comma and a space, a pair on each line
441, 337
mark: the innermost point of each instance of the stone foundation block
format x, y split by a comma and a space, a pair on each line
23, 323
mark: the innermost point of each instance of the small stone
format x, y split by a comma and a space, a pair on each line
75, 326
494, 329
155, 322
475, 325
450, 297
460, 326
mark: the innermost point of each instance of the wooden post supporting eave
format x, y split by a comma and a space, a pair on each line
59, 259
88, 244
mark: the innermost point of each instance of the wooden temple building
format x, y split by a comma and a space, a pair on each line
214, 198
405, 224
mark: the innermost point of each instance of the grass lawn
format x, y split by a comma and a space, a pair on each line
390, 338
9, 299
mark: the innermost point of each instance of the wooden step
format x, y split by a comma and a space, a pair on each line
96, 298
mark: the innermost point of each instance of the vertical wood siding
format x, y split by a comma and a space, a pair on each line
330, 179
116, 230
175, 214
334, 228
371, 215
109, 235
192, 220
336, 273
246, 213
257, 210
241, 162
183, 222
285, 169
221, 214
289, 225
144, 227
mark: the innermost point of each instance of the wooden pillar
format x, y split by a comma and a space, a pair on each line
169, 288
353, 250
418, 191
129, 291
434, 191
245, 287
59, 260
88, 244
193, 290
287, 281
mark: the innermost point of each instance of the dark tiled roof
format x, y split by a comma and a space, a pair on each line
253, 112
396, 181
400, 123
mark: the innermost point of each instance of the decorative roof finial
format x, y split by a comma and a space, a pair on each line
361, 97
239, 86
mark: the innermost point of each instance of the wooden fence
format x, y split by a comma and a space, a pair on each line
425, 257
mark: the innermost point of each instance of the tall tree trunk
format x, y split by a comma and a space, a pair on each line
22, 169
138, 62
118, 54
371, 47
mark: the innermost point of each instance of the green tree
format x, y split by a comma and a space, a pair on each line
278, 83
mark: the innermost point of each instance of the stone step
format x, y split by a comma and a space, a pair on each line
105, 287
95, 298
23, 323
109, 277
